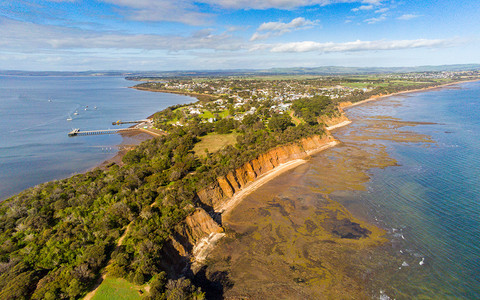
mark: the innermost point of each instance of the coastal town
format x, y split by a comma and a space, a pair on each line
224, 150
237, 97
156, 220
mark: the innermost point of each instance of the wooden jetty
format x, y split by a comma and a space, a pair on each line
119, 122
77, 132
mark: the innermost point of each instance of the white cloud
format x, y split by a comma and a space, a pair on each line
237, 28
407, 17
367, 5
279, 28
280, 4
382, 10
259, 36
309, 46
363, 7
28, 37
190, 12
182, 11
383, 17
375, 2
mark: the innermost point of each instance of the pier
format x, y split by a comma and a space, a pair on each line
119, 122
78, 132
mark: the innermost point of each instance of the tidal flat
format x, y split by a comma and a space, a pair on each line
291, 240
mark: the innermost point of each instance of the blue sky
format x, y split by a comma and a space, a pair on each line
81, 35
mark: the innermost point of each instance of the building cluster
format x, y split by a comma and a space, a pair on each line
237, 98
434, 75
242, 97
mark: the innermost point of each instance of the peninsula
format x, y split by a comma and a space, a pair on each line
152, 219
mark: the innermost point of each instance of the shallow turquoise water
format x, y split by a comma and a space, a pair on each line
430, 203
34, 146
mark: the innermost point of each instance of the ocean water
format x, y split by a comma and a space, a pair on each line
34, 146
430, 202
408, 164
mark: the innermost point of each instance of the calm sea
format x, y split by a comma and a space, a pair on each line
430, 202
34, 146
409, 164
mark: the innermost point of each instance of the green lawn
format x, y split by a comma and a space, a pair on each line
208, 114
117, 288
214, 142
356, 84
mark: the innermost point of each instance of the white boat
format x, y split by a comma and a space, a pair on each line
69, 118
75, 113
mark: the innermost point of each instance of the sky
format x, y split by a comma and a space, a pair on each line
162, 35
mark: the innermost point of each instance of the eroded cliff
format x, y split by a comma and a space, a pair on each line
194, 239
225, 187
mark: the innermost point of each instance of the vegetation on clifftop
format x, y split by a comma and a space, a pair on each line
56, 238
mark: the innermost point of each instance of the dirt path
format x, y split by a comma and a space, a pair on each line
152, 131
90, 295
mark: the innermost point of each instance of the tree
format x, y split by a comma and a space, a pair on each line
249, 120
181, 289
311, 108
280, 122
224, 126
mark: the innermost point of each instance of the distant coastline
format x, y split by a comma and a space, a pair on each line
200, 97
227, 208
343, 105
347, 105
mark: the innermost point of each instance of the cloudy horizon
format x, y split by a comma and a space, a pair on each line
77, 35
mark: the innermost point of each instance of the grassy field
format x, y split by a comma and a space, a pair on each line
214, 142
208, 114
117, 289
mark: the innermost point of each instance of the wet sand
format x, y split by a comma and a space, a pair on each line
228, 206
129, 141
290, 240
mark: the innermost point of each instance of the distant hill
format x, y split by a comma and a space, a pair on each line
327, 70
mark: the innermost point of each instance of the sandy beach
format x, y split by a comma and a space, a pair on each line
272, 174
128, 144
374, 98
283, 240
129, 141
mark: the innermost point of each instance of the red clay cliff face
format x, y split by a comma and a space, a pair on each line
334, 120
198, 225
216, 194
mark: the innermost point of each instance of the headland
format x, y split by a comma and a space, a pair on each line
177, 200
